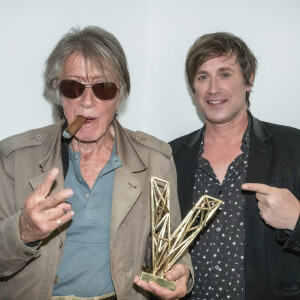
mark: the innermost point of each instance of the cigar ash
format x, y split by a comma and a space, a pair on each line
74, 127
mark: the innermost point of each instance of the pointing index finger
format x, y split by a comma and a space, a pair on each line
257, 187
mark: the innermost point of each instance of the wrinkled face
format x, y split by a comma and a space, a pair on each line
99, 113
220, 90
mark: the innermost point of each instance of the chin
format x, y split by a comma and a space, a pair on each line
86, 138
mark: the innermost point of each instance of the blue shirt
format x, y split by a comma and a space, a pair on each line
84, 270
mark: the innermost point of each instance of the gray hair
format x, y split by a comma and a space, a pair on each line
97, 46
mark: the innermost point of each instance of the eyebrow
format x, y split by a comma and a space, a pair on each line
219, 70
81, 79
225, 69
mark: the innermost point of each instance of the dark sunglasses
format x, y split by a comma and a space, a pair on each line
72, 89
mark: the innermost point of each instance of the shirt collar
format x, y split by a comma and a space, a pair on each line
245, 139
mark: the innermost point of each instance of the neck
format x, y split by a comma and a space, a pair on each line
104, 144
232, 131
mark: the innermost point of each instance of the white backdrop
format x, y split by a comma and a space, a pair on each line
156, 35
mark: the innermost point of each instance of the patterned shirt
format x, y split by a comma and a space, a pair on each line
218, 252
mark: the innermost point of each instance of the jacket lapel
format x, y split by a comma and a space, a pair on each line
127, 186
259, 160
187, 165
126, 192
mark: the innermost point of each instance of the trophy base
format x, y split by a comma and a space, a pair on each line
170, 285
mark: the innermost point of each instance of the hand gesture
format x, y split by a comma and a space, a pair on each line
179, 273
42, 213
279, 208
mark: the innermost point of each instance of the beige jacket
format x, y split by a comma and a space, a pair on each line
25, 160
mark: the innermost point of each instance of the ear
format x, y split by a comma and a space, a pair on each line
251, 80
54, 84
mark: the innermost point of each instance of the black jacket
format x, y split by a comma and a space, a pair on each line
272, 258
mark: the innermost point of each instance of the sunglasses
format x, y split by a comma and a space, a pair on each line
73, 89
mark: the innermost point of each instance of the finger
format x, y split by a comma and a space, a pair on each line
260, 205
65, 206
173, 275
178, 272
165, 293
143, 284
257, 187
45, 187
57, 199
62, 220
56, 212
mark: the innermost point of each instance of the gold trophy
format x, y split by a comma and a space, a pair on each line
167, 248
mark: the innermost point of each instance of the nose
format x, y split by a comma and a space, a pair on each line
88, 99
214, 85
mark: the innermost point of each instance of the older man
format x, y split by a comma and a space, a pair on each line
75, 214
251, 249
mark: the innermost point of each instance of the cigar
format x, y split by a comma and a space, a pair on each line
74, 127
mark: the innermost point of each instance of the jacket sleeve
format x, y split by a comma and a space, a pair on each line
13, 253
290, 239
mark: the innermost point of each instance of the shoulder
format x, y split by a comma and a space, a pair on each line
144, 140
29, 138
186, 141
281, 129
184, 138
281, 133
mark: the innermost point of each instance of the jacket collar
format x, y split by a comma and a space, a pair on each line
126, 150
54, 149
259, 130
194, 138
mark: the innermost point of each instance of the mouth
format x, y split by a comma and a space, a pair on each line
215, 102
89, 120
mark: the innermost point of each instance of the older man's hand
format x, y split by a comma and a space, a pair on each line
42, 214
179, 273
279, 208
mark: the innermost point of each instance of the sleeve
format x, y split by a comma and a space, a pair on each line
291, 240
13, 253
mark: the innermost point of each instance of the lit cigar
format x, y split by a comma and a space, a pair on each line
74, 127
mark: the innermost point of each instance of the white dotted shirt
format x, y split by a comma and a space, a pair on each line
218, 252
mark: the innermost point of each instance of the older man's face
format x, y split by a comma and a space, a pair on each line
99, 113
220, 90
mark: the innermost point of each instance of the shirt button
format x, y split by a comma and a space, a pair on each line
220, 192
75, 156
78, 178
56, 279
87, 196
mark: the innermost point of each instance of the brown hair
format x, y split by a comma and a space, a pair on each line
217, 44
